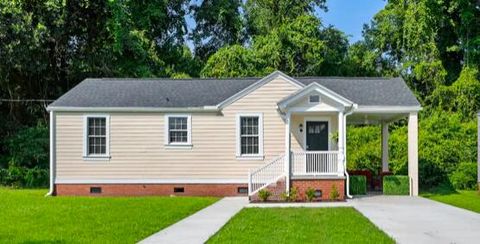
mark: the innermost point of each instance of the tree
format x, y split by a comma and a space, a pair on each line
462, 96
264, 15
233, 61
218, 23
295, 47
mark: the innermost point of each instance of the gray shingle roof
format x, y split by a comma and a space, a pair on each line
168, 93
368, 91
163, 93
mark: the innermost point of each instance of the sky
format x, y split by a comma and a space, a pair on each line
350, 15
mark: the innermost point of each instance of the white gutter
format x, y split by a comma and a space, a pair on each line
52, 154
134, 109
352, 109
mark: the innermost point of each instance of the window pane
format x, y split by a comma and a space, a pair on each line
178, 129
249, 125
178, 136
249, 135
97, 139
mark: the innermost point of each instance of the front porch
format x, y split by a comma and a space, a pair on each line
315, 142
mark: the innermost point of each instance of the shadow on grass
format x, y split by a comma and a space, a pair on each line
442, 189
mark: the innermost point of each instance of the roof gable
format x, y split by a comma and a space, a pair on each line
258, 84
313, 87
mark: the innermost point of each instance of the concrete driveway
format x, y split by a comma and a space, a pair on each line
420, 220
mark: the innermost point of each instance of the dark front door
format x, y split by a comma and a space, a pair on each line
317, 140
317, 136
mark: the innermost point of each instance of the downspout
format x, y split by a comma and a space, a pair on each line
350, 111
52, 154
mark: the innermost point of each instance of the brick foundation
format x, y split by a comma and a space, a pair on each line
325, 185
217, 190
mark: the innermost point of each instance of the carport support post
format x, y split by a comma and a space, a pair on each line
385, 147
413, 152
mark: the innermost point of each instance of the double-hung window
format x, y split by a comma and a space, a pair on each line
250, 136
178, 130
96, 133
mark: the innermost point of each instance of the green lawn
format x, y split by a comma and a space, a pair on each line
463, 199
300, 225
26, 216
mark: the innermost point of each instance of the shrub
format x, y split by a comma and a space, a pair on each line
29, 146
334, 193
15, 176
358, 185
292, 197
396, 185
264, 195
36, 177
3, 176
310, 194
293, 194
464, 177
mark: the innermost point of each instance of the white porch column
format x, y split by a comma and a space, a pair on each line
413, 152
341, 143
287, 150
385, 135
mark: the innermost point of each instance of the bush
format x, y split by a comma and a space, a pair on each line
29, 147
464, 177
292, 197
264, 195
334, 193
358, 185
3, 176
396, 185
36, 177
310, 194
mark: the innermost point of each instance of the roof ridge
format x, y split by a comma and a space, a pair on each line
172, 79
347, 77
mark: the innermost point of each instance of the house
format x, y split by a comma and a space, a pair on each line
219, 137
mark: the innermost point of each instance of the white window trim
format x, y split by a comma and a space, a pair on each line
95, 157
319, 99
178, 145
241, 156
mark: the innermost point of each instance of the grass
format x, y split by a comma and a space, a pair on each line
300, 225
29, 217
469, 200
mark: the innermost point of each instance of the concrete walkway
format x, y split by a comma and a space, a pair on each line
199, 227
420, 220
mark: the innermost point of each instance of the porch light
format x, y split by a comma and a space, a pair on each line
300, 127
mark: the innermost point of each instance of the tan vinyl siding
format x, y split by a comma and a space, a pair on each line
137, 142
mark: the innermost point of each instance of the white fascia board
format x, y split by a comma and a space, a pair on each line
257, 85
387, 109
318, 88
133, 109
151, 181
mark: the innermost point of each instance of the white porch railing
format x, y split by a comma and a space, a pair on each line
265, 175
316, 163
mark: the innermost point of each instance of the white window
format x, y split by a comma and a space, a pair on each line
96, 143
314, 99
250, 136
178, 130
